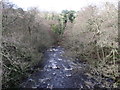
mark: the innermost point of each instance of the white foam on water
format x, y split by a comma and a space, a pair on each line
49, 86
34, 87
50, 50
54, 65
55, 49
68, 75
61, 52
81, 86
59, 59
42, 80
30, 79
67, 68
51, 60
54, 73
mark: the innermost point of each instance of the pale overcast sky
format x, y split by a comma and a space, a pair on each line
58, 5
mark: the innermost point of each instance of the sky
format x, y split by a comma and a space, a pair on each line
58, 5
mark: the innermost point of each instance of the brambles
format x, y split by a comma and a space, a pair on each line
25, 36
93, 38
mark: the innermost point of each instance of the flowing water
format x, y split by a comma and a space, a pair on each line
59, 72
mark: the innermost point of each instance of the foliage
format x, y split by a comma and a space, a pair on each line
91, 35
94, 38
25, 36
61, 20
68, 16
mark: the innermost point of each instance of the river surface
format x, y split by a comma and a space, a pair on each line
60, 72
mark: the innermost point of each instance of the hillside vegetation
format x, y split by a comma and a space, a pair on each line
93, 37
25, 35
89, 35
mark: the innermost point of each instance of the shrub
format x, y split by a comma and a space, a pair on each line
93, 38
25, 36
